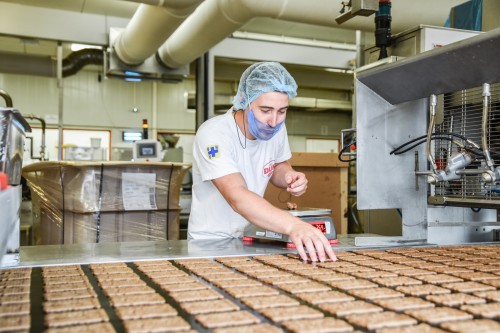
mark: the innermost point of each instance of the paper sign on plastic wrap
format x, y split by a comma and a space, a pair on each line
138, 191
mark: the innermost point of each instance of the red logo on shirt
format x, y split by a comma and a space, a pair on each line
269, 168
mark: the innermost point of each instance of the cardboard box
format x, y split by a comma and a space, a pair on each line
326, 188
99, 187
77, 228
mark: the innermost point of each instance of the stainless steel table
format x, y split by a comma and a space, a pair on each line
33, 256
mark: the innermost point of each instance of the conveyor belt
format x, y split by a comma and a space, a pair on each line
452, 288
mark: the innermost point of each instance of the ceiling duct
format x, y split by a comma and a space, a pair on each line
214, 20
132, 53
149, 28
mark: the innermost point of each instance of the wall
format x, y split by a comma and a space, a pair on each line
92, 102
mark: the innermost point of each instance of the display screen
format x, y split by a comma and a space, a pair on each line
147, 150
320, 226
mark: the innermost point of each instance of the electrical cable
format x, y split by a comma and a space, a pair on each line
343, 150
433, 135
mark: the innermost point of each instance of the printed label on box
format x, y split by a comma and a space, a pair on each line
138, 191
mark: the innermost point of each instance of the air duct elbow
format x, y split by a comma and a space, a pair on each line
73, 63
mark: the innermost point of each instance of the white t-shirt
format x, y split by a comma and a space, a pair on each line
218, 152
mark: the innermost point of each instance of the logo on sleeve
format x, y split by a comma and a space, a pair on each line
213, 152
268, 169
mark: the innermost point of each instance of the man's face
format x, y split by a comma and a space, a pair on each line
270, 108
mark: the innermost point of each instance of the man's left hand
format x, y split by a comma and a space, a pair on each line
296, 183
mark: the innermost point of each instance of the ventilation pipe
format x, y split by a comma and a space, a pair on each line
215, 20
46, 66
149, 28
75, 61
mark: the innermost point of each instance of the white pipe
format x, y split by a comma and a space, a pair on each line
214, 20
149, 28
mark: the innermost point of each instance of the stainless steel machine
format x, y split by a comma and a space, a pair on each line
317, 217
428, 141
12, 133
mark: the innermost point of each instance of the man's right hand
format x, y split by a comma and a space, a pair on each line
306, 237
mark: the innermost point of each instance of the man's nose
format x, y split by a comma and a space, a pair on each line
273, 120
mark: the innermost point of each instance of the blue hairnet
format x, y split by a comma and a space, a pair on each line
261, 78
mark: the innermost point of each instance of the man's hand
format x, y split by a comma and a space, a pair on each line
307, 237
296, 183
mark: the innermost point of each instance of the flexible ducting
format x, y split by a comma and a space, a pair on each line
74, 62
46, 66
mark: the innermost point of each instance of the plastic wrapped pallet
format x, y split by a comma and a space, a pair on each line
75, 202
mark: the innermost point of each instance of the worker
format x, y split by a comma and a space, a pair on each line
235, 156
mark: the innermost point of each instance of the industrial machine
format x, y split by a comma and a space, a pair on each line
13, 128
147, 151
428, 140
317, 217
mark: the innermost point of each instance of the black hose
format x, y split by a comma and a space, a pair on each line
74, 62
344, 149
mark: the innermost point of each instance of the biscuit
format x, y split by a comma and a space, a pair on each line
75, 317
199, 307
262, 302
284, 279
375, 293
479, 325
330, 296
396, 281
342, 309
67, 294
163, 324
422, 290
348, 270
476, 276
173, 279
145, 311
372, 321
15, 290
489, 310
49, 288
403, 303
195, 295
15, 323
224, 319
236, 283
129, 290
291, 313
258, 328
455, 299
238, 292
438, 278
493, 295
468, 287
421, 328
184, 286
374, 274
438, 315
320, 325
352, 284
14, 309
310, 286
90, 328
136, 299
333, 276
73, 304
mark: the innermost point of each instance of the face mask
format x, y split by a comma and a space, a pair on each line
260, 130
